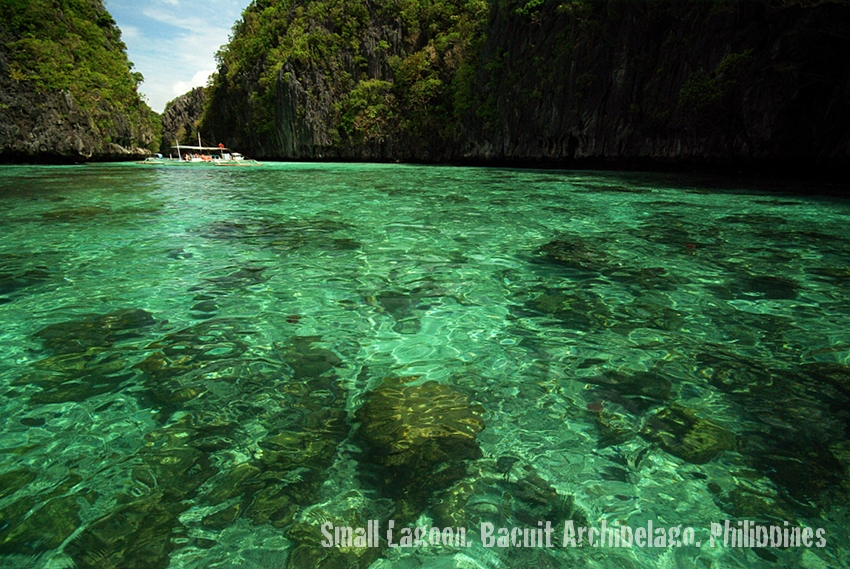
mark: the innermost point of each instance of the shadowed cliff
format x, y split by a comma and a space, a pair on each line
180, 119
624, 83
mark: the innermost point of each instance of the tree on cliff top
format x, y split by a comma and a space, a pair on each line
75, 46
392, 66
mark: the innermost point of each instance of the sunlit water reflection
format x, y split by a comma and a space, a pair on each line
184, 353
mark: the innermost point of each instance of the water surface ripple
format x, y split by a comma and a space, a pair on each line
191, 362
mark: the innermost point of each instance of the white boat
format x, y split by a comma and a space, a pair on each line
200, 155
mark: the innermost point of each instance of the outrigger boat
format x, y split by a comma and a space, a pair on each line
197, 155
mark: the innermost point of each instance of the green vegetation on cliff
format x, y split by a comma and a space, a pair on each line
555, 81
181, 117
391, 66
74, 46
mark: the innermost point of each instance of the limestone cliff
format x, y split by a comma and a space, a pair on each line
740, 82
345, 79
180, 119
560, 82
67, 90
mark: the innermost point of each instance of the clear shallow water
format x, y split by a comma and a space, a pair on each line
183, 352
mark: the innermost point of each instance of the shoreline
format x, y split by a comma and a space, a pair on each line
792, 176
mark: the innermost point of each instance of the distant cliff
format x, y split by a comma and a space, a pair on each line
181, 117
560, 82
67, 90
383, 79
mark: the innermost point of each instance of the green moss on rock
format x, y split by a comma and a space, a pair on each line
68, 89
682, 433
417, 439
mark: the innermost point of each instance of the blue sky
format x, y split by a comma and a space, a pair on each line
173, 42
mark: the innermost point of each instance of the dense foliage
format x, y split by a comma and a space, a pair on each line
394, 65
559, 81
75, 46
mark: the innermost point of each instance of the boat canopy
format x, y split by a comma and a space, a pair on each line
181, 147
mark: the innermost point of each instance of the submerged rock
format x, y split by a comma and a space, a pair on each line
295, 455
296, 460
644, 313
766, 287
671, 230
95, 331
651, 384
578, 309
681, 433
14, 480
306, 359
84, 213
574, 254
355, 509
398, 304
733, 375
407, 306
342, 244
746, 503
230, 484
647, 278
12, 279
809, 472
771, 287
45, 528
144, 528
200, 456
755, 219
138, 535
204, 346
837, 275
417, 437
522, 499
614, 428
284, 235
78, 388
85, 361
189, 362
832, 373
800, 416
243, 278
417, 426
177, 472
402, 307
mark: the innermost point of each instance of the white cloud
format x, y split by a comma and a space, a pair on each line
130, 33
180, 55
190, 23
198, 80
201, 77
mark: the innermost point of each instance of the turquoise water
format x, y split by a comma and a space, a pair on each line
183, 353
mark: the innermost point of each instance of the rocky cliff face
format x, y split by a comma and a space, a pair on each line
67, 92
52, 128
744, 82
180, 119
561, 82
329, 79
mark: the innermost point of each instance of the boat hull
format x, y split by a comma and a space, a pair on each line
197, 163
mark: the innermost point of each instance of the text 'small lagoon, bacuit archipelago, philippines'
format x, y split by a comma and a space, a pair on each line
425, 284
